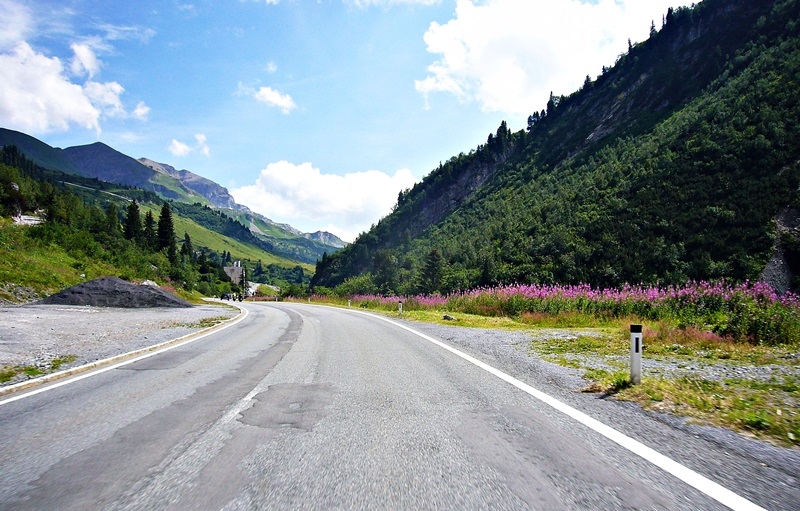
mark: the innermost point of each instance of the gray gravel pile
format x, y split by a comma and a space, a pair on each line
115, 292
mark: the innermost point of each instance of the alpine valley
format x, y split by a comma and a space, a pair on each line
73, 187
184, 188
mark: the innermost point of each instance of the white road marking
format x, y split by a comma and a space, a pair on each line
87, 370
714, 490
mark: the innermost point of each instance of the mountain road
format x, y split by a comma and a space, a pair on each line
298, 406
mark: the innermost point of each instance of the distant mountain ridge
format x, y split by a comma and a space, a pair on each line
217, 194
100, 161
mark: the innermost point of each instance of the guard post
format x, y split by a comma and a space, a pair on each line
636, 354
400, 307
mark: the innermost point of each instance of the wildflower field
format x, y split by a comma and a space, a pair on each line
744, 313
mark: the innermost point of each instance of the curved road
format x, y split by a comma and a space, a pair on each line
305, 407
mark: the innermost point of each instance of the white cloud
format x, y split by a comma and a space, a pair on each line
125, 32
508, 55
16, 24
178, 148
272, 97
271, 67
36, 96
202, 144
85, 60
106, 97
268, 96
141, 112
304, 197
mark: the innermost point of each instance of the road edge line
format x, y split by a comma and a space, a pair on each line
112, 362
694, 479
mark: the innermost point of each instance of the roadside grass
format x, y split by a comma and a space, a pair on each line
768, 410
204, 322
8, 373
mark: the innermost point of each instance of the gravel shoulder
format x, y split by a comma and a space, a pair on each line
35, 335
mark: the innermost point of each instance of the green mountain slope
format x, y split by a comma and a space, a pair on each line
105, 164
36, 150
672, 165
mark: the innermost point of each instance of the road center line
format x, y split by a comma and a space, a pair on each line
714, 490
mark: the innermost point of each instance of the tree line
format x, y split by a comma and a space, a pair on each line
137, 246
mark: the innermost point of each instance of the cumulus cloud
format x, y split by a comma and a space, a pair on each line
38, 95
141, 112
508, 55
272, 97
307, 198
269, 96
106, 97
178, 148
202, 144
85, 60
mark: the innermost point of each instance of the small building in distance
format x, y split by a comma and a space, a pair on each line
234, 272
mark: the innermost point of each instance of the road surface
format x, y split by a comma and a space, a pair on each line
307, 407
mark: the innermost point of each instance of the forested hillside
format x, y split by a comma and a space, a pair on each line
672, 165
102, 165
91, 228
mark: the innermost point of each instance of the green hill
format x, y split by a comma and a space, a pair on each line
672, 165
92, 228
105, 164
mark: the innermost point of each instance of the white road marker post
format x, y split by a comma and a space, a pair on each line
400, 307
636, 354
348, 304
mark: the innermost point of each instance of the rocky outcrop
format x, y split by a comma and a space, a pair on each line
217, 194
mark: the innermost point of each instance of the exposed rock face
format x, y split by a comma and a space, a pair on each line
115, 292
326, 238
777, 272
217, 194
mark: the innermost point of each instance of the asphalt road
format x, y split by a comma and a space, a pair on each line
304, 407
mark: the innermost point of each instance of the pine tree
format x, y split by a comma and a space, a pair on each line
432, 272
187, 250
112, 219
166, 234
133, 230
149, 232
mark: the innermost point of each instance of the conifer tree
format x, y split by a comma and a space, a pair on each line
112, 219
187, 250
166, 234
133, 230
149, 231
432, 272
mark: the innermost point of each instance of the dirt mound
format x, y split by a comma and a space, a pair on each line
115, 292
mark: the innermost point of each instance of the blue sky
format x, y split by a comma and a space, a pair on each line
312, 112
